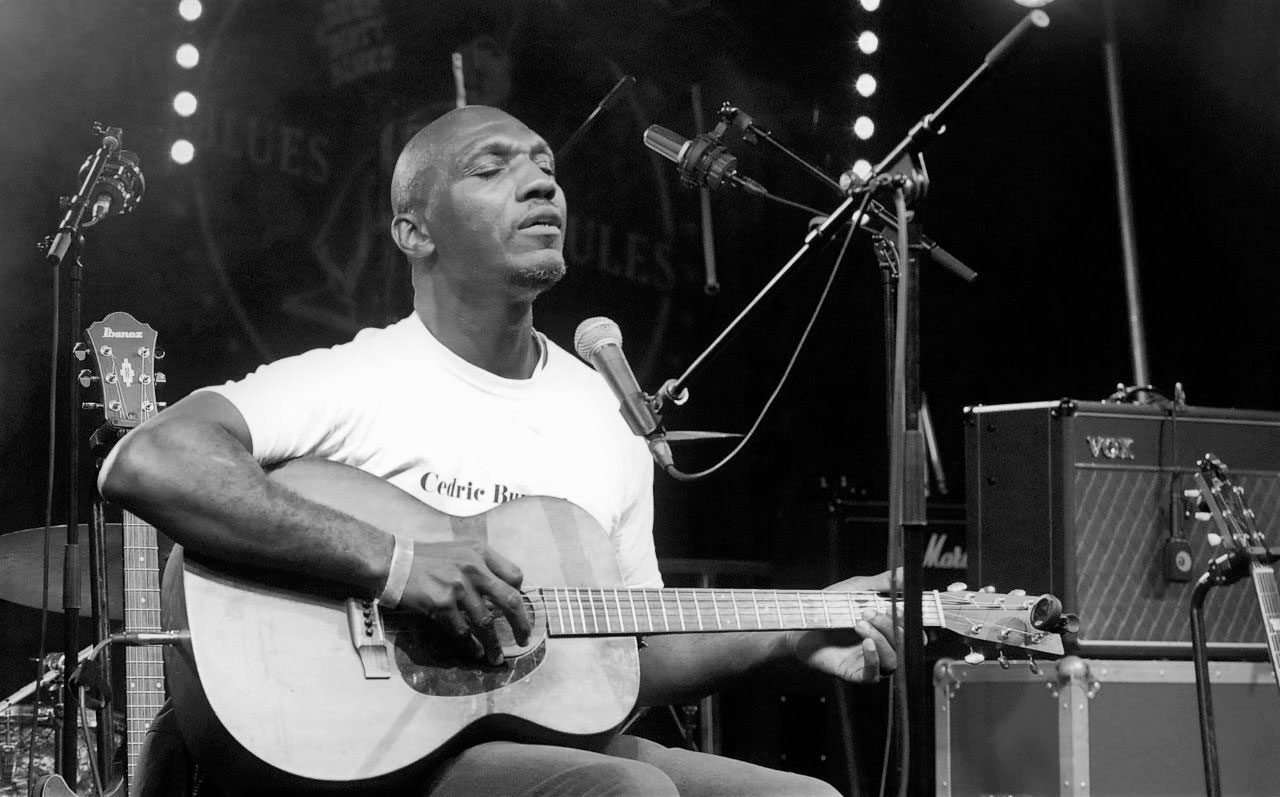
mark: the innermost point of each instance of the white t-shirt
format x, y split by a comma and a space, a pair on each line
398, 404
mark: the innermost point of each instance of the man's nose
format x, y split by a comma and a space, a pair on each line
536, 183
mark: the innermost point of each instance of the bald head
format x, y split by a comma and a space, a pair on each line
422, 159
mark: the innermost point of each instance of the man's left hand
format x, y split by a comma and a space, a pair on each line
860, 655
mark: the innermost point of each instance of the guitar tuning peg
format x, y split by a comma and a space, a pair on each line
1214, 538
957, 586
974, 657
159, 354
1033, 666
988, 589
1017, 593
1001, 660
86, 377
80, 351
160, 378
1204, 517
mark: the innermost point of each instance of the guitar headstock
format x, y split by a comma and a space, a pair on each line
1225, 500
1013, 620
125, 352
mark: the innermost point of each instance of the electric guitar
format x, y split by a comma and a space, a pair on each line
125, 352
1239, 533
279, 681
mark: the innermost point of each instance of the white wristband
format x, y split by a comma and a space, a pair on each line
398, 573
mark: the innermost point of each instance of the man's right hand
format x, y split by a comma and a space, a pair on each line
449, 582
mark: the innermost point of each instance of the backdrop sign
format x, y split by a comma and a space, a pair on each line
304, 110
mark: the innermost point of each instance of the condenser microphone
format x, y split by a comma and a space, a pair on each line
599, 341
703, 162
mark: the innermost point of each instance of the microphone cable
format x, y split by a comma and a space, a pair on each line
50, 472
680, 475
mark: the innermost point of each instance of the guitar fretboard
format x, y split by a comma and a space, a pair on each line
1264, 583
144, 666
603, 612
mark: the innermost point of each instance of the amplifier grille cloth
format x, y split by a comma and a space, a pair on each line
1122, 521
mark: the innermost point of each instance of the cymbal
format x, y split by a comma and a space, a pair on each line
21, 554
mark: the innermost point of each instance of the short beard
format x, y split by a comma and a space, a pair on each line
538, 278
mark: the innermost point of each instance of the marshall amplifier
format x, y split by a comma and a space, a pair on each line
846, 535
1089, 501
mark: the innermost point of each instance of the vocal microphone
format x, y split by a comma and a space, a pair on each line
599, 341
119, 189
702, 162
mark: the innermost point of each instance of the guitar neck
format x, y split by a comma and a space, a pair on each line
609, 612
144, 666
1264, 584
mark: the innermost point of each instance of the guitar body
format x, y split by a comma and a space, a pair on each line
271, 686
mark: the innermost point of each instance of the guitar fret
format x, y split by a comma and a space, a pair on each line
594, 626
680, 610
696, 611
825, 612
559, 609
635, 622
715, 606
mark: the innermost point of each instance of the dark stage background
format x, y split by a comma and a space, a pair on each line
273, 239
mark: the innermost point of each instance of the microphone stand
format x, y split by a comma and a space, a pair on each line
60, 243
904, 171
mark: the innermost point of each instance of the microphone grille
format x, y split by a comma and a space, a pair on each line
594, 333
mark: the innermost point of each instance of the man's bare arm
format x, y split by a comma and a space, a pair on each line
189, 472
678, 668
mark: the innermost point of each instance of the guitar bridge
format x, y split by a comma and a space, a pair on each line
369, 638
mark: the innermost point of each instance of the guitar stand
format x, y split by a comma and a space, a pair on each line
1224, 570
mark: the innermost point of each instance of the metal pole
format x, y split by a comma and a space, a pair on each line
1124, 199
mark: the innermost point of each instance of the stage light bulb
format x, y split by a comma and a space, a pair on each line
182, 151
184, 102
862, 168
865, 85
190, 10
187, 56
870, 5
868, 42
864, 128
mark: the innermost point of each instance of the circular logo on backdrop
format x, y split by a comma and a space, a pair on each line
304, 109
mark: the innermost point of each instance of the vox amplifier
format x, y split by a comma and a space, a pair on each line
1088, 501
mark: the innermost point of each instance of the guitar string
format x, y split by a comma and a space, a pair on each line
729, 599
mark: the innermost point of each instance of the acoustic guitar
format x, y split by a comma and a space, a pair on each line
278, 681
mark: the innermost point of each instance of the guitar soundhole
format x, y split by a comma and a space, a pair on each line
434, 663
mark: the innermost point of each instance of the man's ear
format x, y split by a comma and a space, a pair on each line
410, 234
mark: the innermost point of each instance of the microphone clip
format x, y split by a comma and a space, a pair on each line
731, 114
708, 162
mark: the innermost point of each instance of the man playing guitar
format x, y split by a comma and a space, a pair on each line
464, 406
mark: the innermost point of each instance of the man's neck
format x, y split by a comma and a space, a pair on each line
497, 338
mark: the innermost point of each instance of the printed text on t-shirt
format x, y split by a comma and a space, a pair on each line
495, 493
